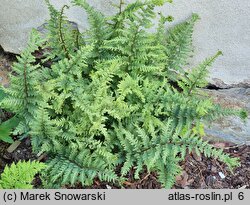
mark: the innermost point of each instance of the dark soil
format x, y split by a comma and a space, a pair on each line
198, 172
203, 173
22, 152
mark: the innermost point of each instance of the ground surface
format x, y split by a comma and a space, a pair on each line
198, 171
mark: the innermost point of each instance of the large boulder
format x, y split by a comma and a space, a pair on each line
18, 17
231, 128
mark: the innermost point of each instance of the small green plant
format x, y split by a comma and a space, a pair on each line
6, 129
116, 94
7, 126
20, 175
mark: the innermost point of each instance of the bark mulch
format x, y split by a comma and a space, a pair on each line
199, 172
203, 173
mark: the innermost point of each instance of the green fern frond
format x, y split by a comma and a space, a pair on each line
72, 166
179, 44
20, 175
63, 37
44, 132
22, 97
99, 30
197, 77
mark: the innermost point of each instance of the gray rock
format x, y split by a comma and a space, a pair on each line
44, 31
231, 128
17, 18
224, 25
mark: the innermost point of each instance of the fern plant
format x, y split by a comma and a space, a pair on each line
21, 97
20, 175
116, 94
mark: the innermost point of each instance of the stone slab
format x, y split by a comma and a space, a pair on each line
231, 129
